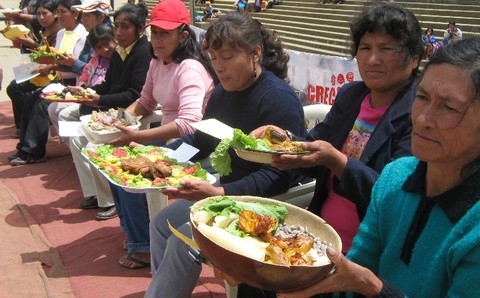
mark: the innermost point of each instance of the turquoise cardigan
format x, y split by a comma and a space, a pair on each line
445, 258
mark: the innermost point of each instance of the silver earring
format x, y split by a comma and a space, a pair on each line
254, 71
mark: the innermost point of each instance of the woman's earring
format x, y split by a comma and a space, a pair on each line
254, 71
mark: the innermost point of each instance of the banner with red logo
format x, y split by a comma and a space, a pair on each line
318, 78
315, 78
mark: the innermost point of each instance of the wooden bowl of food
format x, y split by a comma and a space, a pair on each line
242, 258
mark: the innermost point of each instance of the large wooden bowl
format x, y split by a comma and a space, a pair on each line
265, 275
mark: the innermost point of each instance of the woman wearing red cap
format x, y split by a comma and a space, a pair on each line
181, 80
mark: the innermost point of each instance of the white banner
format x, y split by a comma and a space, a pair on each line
317, 78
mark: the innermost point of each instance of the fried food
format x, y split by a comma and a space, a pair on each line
279, 142
145, 167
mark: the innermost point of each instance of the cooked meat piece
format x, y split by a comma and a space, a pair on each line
274, 136
255, 224
138, 165
161, 170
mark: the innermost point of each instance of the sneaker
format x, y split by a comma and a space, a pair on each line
90, 203
26, 160
17, 155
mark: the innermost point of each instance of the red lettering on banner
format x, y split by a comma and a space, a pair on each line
311, 93
322, 94
319, 93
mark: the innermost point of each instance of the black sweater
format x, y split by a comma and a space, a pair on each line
124, 79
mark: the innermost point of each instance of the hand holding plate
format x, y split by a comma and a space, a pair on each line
128, 135
259, 133
347, 277
194, 190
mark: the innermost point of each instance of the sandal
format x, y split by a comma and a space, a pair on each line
125, 244
130, 262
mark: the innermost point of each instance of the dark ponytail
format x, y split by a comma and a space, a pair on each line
242, 31
135, 14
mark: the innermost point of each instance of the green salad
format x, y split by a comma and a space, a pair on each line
224, 212
220, 158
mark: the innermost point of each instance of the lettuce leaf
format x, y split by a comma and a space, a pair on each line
220, 158
225, 206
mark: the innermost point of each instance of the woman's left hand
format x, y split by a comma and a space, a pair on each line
194, 190
320, 153
347, 277
94, 98
66, 59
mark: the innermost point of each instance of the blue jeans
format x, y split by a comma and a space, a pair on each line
132, 210
175, 266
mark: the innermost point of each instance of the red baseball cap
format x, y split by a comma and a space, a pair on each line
169, 15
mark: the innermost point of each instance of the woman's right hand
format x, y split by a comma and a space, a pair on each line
221, 275
260, 132
347, 277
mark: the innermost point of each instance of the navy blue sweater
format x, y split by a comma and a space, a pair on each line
268, 101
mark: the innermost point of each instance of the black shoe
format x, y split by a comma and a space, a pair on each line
17, 154
26, 160
90, 203
110, 212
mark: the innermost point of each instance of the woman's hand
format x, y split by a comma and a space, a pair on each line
94, 99
194, 190
347, 277
25, 41
44, 69
128, 135
320, 153
221, 275
66, 59
260, 132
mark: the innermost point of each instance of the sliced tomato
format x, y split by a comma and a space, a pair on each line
165, 162
154, 151
122, 180
159, 181
120, 153
190, 169
93, 154
109, 168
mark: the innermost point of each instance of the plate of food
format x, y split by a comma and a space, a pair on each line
69, 95
252, 149
263, 242
259, 156
143, 168
44, 55
100, 125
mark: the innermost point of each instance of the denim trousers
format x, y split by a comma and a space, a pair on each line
132, 210
18, 94
34, 127
175, 266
